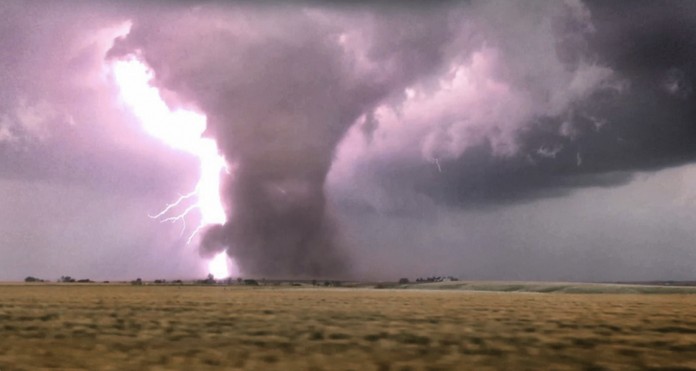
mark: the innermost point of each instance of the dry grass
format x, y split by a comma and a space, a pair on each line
111, 327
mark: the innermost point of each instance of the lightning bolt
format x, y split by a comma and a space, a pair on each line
181, 217
182, 130
172, 205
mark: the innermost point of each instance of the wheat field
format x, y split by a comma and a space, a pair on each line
123, 327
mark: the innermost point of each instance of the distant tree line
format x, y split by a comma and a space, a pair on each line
68, 279
327, 283
436, 279
62, 279
209, 280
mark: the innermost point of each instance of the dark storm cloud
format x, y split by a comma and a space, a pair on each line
638, 115
504, 102
650, 125
392, 110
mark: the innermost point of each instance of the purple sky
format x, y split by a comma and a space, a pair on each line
550, 140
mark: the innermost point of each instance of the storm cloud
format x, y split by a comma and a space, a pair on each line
559, 97
280, 87
331, 115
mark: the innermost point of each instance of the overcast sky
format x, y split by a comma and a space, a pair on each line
539, 140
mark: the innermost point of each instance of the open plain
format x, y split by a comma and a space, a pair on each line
123, 327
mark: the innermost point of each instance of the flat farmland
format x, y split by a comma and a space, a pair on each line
120, 327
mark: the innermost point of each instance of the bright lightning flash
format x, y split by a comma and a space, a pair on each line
181, 129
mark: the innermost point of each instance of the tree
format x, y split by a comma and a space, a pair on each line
403, 281
209, 280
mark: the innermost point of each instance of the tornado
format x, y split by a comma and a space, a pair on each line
280, 87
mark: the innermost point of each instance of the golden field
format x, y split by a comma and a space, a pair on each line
123, 327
